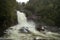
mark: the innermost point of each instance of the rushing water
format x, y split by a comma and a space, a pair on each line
13, 32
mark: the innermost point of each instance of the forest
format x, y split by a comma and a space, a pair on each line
42, 12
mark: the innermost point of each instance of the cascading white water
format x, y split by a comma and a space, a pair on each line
13, 31
21, 17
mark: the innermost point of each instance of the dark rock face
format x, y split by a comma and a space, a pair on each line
53, 29
40, 28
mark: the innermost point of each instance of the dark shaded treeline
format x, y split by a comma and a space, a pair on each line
8, 15
42, 11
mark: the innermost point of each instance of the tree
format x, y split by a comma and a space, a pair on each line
47, 11
8, 15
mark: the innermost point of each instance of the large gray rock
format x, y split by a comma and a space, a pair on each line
24, 30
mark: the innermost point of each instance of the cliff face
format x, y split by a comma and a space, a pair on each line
8, 15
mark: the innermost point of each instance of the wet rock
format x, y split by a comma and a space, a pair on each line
24, 30
41, 28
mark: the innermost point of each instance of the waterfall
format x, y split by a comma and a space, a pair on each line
21, 17
13, 32
23, 22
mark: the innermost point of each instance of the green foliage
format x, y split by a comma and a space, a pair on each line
7, 14
48, 11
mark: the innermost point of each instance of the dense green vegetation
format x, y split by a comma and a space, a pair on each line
7, 14
43, 11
